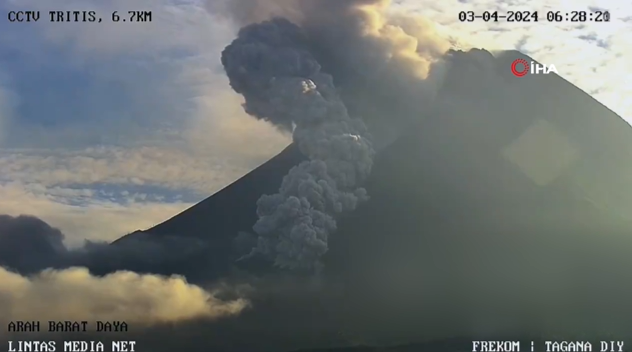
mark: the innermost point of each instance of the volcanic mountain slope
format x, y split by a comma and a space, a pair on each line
507, 200
496, 150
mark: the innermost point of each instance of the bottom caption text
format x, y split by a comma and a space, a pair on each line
71, 346
548, 346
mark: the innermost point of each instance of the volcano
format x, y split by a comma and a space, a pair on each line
532, 154
505, 180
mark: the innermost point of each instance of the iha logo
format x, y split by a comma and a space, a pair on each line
520, 67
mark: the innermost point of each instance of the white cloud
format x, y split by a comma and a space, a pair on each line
69, 189
203, 172
599, 66
73, 294
92, 220
168, 71
181, 131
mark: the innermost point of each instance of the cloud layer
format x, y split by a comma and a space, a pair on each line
141, 126
74, 294
30, 246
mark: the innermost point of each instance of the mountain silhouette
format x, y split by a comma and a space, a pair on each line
503, 172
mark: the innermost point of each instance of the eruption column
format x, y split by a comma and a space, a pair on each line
271, 66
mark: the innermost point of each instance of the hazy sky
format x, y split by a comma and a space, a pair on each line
106, 128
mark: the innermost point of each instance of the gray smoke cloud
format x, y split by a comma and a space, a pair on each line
282, 83
386, 66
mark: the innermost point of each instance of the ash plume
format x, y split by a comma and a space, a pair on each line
387, 69
387, 65
271, 66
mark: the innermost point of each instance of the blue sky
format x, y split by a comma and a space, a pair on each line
106, 128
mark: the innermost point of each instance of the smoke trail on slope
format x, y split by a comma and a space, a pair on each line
270, 65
